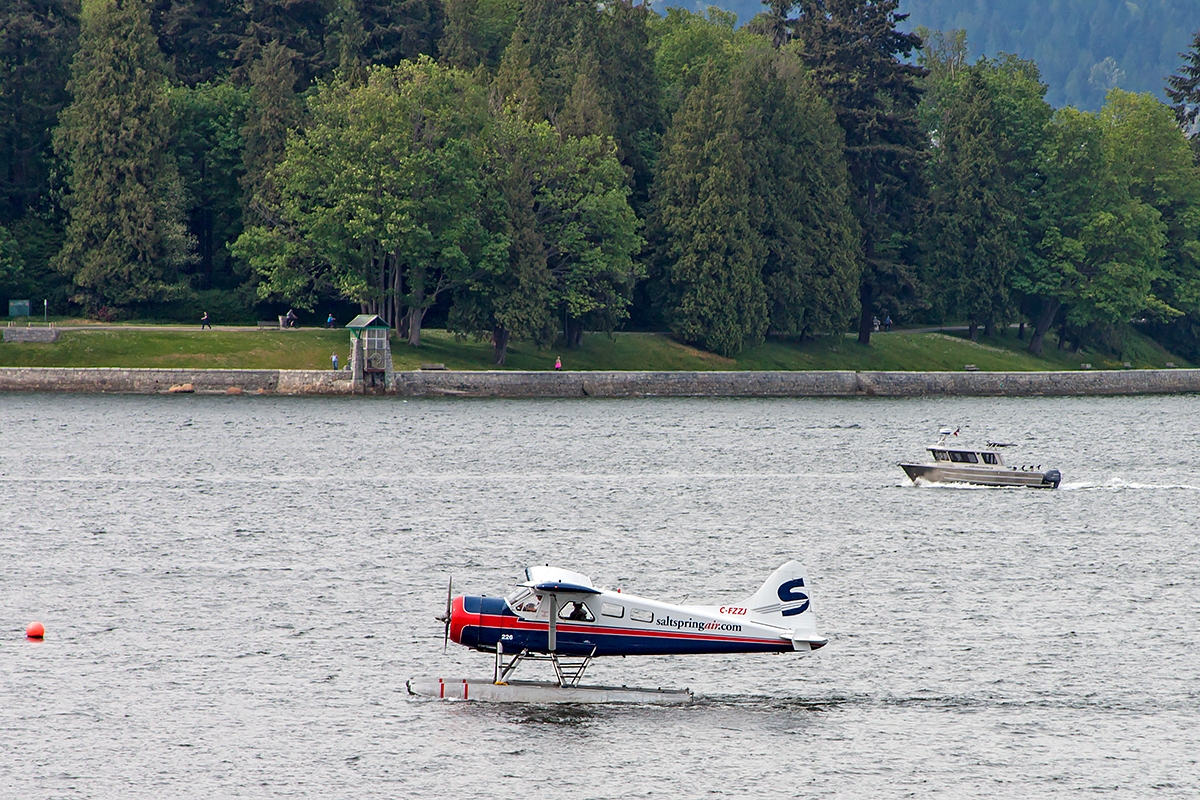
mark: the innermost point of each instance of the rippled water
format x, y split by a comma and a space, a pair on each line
236, 589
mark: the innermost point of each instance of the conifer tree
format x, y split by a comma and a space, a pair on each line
476, 31
274, 112
198, 37
802, 197
975, 209
1183, 90
704, 210
858, 58
37, 38
126, 242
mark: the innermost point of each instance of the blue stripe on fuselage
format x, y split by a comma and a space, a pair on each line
611, 644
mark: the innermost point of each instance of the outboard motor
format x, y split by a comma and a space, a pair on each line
1052, 477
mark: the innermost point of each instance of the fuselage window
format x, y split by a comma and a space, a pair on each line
940, 455
575, 611
989, 458
612, 610
963, 458
641, 615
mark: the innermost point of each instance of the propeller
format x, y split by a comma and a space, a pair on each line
445, 616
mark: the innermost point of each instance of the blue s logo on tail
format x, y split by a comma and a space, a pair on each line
788, 593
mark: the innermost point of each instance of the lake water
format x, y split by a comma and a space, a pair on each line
235, 590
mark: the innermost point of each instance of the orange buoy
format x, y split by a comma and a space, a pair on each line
35, 630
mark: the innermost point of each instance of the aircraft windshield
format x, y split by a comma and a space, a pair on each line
523, 600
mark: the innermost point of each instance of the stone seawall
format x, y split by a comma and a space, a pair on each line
159, 381
513, 384
794, 384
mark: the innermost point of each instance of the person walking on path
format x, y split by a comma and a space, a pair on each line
329, 323
557, 362
887, 322
204, 323
333, 359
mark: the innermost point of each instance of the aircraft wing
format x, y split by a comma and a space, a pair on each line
559, 587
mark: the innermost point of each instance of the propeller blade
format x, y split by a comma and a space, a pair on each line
445, 618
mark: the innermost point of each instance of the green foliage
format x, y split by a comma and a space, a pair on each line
208, 147
1098, 246
975, 223
684, 42
274, 112
857, 56
379, 196
12, 265
126, 242
712, 249
559, 204
476, 32
802, 209
37, 39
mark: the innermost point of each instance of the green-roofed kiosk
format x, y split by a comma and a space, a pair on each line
370, 355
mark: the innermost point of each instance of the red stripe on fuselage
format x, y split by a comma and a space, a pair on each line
499, 622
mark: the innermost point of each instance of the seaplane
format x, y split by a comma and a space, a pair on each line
559, 617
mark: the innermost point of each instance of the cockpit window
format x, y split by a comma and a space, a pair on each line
940, 455
575, 611
524, 600
963, 457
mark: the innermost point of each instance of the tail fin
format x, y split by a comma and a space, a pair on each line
783, 601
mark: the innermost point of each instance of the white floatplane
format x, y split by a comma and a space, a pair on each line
558, 616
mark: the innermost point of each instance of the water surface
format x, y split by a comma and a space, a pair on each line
236, 589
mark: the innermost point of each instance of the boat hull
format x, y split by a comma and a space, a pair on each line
982, 476
540, 692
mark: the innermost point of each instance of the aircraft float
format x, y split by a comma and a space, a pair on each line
559, 616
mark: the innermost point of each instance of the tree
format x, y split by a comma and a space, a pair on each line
299, 25
1149, 155
857, 58
208, 147
975, 215
683, 43
378, 198
198, 38
1097, 248
1183, 90
704, 209
274, 112
802, 198
126, 242
37, 39
476, 32
560, 206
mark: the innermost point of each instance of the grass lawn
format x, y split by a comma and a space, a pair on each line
309, 348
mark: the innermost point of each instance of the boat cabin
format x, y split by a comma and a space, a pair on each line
967, 456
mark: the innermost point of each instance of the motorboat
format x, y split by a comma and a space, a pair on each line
955, 463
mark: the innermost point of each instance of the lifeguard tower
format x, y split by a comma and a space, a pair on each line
370, 355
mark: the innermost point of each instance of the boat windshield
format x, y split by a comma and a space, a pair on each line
963, 457
940, 455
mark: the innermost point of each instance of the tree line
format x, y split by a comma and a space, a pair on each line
531, 169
